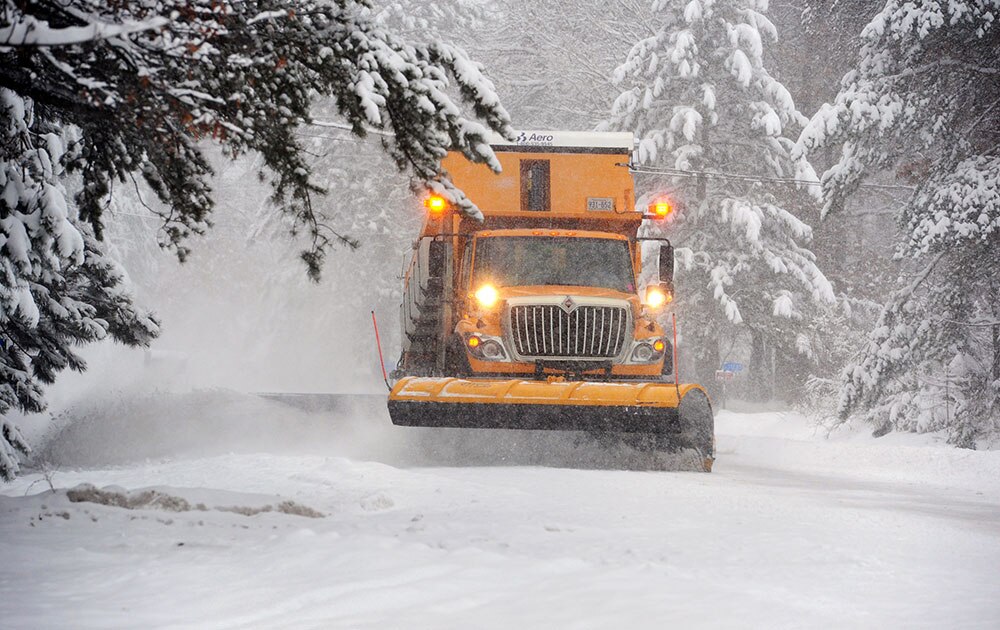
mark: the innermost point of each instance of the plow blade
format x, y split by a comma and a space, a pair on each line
548, 405
326, 402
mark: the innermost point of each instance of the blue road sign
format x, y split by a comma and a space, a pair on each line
730, 366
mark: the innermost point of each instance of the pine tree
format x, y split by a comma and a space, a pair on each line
713, 127
57, 289
553, 60
819, 42
94, 94
924, 101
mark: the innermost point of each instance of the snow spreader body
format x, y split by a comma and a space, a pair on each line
532, 318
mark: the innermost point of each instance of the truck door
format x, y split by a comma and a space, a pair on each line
462, 293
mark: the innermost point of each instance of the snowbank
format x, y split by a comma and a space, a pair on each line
487, 530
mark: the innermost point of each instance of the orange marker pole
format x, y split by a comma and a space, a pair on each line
677, 371
378, 344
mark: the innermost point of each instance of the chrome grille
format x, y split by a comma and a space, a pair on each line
586, 331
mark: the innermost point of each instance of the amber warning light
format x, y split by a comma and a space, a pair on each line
435, 204
659, 209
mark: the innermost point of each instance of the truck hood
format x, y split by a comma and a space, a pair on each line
550, 290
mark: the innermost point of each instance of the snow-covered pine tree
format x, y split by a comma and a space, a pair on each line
819, 42
552, 60
57, 290
139, 88
924, 100
146, 82
713, 125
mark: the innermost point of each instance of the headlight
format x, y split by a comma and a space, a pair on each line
485, 347
656, 297
492, 350
642, 353
648, 351
487, 295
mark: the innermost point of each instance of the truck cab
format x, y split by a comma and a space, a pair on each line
548, 283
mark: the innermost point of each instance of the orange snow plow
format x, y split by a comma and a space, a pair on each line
532, 318
549, 404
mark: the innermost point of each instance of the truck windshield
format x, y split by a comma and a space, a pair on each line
510, 261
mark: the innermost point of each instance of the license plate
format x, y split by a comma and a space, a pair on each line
600, 204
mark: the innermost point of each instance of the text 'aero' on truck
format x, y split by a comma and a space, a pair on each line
532, 318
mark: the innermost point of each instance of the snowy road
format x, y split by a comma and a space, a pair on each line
791, 530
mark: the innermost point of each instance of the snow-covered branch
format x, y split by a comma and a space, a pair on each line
107, 93
922, 88
26, 30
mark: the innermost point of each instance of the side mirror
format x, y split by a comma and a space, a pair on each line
667, 267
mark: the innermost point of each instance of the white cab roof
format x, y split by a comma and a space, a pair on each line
602, 139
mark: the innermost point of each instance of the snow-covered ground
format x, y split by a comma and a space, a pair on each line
419, 529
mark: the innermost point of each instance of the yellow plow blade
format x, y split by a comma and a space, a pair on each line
639, 407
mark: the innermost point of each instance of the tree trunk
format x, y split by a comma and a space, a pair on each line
759, 369
708, 363
996, 352
995, 309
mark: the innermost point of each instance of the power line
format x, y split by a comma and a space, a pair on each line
675, 172
344, 126
151, 217
334, 138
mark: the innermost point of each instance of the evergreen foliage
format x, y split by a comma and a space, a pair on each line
698, 96
94, 94
553, 60
149, 82
57, 289
932, 360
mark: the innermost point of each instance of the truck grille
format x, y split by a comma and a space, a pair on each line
586, 331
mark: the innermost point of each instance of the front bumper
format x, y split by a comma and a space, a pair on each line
640, 407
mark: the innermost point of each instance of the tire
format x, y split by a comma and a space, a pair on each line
668, 361
456, 361
698, 426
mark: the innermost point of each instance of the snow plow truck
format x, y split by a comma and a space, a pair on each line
533, 318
